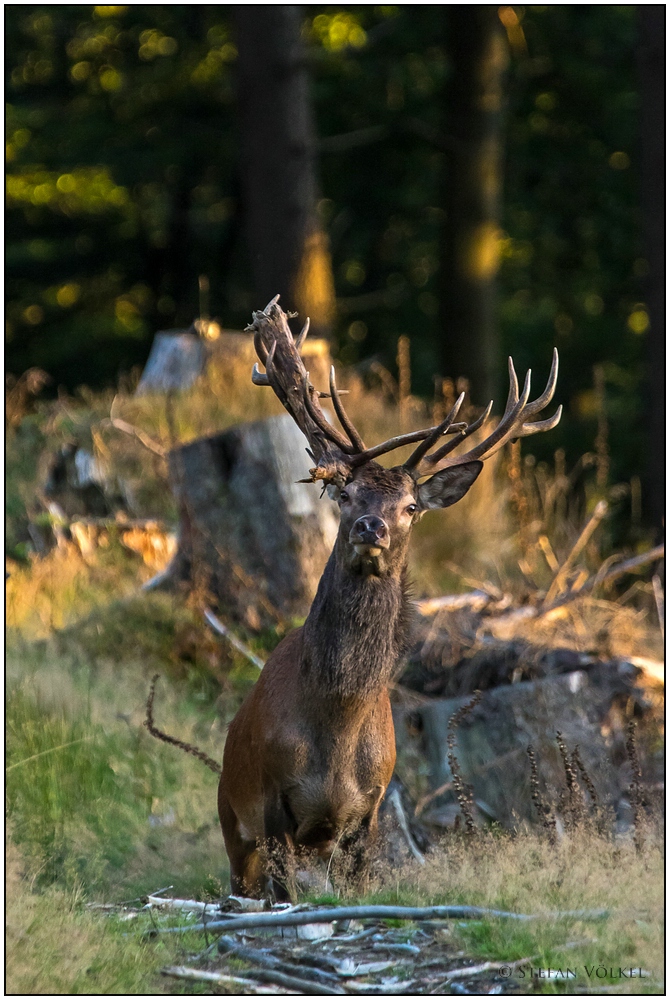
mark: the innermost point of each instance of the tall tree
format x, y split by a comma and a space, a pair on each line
651, 67
288, 247
471, 191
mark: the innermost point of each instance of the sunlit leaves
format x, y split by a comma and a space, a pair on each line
87, 190
154, 43
638, 320
338, 31
221, 51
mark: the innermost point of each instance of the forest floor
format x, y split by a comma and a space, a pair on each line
101, 813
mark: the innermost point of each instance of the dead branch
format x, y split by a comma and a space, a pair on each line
394, 799
558, 582
222, 629
228, 946
332, 914
141, 436
627, 566
201, 975
188, 905
660, 601
427, 799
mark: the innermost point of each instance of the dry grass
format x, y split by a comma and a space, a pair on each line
55, 948
116, 814
528, 874
589, 625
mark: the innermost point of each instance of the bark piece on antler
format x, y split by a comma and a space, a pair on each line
287, 377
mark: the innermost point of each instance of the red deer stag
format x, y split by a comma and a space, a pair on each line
311, 751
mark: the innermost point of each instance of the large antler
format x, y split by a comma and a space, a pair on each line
336, 454
514, 424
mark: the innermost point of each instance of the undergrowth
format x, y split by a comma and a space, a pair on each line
100, 811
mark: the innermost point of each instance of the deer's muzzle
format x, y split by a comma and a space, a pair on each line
369, 535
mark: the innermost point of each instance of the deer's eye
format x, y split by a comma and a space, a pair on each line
412, 509
344, 496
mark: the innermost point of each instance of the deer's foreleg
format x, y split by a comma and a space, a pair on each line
247, 877
279, 846
359, 845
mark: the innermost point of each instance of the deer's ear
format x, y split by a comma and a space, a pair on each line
448, 486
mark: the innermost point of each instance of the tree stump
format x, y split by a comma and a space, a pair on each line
176, 359
587, 706
252, 540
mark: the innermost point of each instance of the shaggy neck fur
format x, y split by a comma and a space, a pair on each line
356, 631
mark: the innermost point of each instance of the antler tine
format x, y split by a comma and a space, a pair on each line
399, 442
300, 339
342, 415
437, 432
270, 374
513, 394
548, 394
271, 303
258, 377
514, 421
525, 430
317, 416
442, 452
502, 432
541, 425
260, 347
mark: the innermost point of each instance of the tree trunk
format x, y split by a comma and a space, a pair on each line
471, 196
651, 69
288, 248
252, 540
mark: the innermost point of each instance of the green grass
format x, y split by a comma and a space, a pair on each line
92, 798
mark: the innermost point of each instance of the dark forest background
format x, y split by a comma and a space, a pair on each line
482, 180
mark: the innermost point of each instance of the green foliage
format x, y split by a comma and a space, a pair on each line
63, 771
112, 216
122, 190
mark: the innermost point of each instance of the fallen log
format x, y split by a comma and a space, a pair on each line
491, 748
332, 914
216, 978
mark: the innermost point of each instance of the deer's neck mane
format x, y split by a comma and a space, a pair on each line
356, 631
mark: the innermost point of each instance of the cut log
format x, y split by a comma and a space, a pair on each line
252, 539
176, 359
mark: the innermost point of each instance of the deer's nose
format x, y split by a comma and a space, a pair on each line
370, 530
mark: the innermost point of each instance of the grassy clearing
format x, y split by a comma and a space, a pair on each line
99, 811
56, 946
526, 874
116, 815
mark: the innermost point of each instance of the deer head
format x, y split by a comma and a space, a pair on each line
379, 506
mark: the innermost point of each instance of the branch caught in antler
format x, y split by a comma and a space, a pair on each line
337, 454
